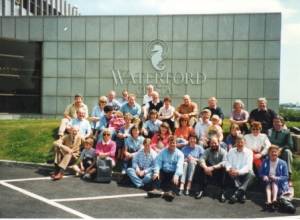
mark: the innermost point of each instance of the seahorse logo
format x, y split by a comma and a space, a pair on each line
156, 51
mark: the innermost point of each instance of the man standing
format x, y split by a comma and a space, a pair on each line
281, 137
212, 167
66, 150
71, 112
263, 114
240, 169
168, 169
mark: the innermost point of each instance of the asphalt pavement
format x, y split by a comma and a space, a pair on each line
27, 192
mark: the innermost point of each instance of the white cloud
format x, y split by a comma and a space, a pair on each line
291, 34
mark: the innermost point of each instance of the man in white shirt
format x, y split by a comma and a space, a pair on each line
240, 169
148, 96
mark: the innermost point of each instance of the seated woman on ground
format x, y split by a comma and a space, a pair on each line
257, 142
215, 120
161, 138
274, 174
132, 144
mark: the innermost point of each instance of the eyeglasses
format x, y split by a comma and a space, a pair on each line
106, 134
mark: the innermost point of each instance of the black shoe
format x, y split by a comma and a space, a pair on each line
233, 199
222, 197
199, 194
169, 196
269, 207
242, 197
154, 193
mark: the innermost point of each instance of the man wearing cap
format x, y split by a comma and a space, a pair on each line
66, 150
71, 112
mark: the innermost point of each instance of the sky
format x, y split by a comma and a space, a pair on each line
290, 29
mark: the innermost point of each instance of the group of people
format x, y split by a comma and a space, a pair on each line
169, 149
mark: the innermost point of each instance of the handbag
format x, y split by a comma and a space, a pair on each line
104, 170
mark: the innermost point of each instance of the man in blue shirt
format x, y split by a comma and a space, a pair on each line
84, 125
131, 107
168, 169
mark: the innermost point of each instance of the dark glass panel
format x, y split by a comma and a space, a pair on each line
20, 104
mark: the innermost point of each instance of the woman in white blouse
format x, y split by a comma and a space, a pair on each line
257, 142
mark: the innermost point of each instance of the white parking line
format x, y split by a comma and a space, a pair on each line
30, 179
100, 197
45, 200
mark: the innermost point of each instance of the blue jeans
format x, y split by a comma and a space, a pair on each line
139, 181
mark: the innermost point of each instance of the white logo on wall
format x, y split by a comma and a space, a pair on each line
157, 51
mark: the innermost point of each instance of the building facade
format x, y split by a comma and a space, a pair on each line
230, 56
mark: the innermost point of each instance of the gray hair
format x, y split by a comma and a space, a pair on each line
238, 101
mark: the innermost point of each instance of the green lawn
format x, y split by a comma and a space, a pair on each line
31, 140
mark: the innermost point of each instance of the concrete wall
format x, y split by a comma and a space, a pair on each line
238, 53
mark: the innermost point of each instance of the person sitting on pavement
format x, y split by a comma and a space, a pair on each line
131, 107
239, 167
160, 139
215, 109
97, 113
71, 113
183, 132
112, 101
201, 128
66, 151
143, 162
239, 115
274, 174
187, 108
154, 104
133, 144
212, 168
166, 113
281, 137
151, 126
192, 153
263, 114
87, 158
85, 129
258, 143
168, 169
